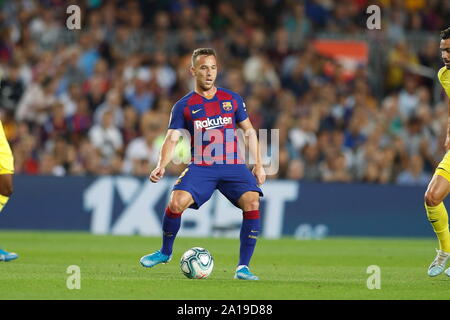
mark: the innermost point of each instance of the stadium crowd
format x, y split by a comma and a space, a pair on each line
96, 101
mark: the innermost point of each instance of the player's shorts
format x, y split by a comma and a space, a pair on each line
443, 169
232, 180
6, 156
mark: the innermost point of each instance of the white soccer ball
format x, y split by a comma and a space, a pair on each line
197, 263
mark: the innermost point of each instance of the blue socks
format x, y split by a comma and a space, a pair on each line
249, 234
171, 225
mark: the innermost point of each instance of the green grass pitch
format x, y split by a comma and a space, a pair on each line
334, 268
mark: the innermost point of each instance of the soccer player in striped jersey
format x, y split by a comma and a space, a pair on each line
211, 115
439, 186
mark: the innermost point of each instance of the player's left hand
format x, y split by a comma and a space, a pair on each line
260, 174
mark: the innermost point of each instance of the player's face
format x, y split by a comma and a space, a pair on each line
205, 71
445, 52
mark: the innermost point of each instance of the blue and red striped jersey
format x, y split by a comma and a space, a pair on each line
211, 124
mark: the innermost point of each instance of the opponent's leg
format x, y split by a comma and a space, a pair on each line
179, 201
438, 189
6, 190
249, 203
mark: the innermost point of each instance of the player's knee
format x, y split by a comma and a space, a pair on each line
6, 190
180, 201
176, 206
251, 205
179, 204
432, 198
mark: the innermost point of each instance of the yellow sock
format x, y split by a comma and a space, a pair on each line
439, 220
3, 201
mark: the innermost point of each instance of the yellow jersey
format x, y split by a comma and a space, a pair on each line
444, 79
6, 155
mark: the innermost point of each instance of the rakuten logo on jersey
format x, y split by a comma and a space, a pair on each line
212, 123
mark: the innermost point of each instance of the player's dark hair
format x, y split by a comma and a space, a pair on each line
203, 52
445, 34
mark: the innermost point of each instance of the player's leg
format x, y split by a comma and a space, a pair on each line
239, 185
6, 189
180, 200
192, 188
249, 203
437, 191
6, 183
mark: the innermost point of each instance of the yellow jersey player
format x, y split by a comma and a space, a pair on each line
6, 182
439, 186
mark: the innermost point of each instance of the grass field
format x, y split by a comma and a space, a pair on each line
334, 268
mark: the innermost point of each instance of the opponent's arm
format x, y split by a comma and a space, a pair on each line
165, 155
447, 139
444, 79
252, 141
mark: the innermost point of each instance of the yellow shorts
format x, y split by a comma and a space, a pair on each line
6, 156
443, 169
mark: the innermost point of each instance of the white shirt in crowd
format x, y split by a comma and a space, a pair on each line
107, 140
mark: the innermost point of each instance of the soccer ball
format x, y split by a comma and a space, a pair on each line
197, 263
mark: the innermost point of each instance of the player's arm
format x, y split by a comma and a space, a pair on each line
170, 142
252, 141
165, 155
447, 139
444, 79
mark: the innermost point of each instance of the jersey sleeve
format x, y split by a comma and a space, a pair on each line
241, 111
177, 120
444, 79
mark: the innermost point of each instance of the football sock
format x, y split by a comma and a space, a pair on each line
171, 225
3, 201
439, 220
249, 234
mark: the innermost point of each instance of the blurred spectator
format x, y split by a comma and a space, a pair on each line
70, 98
37, 101
334, 168
295, 170
139, 94
48, 166
142, 153
164, 74
56, 125
311, 160
400, 59
11, 88
130, 125
106, 137
304, 133
413, 175
80, 122
408, 98
113, 104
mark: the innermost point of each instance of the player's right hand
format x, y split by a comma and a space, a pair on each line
157, 174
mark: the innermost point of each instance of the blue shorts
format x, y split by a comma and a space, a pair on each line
232, 180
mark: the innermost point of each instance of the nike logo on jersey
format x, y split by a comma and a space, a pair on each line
194, 112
